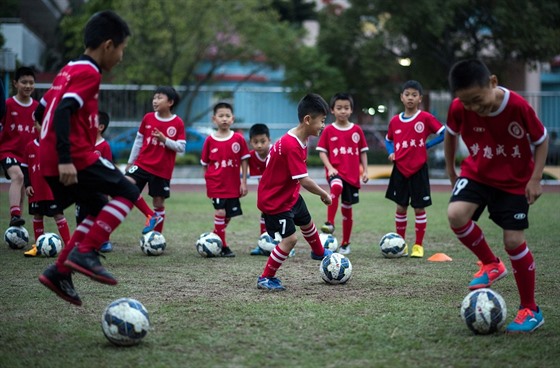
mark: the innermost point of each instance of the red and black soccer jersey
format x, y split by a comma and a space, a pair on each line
18, 128
80, 81
409, 138
499, 144
344, 147
154, 157
103, 149
279, 186
41, 189
222, 158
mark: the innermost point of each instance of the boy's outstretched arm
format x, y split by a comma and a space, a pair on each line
450, 149
311, 186
533, 190
437, 139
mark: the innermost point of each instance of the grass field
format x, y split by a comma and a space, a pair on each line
209, 313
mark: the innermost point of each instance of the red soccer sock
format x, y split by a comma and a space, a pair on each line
220, 228
472, 237
311, 235
523, 266
400, 224
421, 222
143, 206
336, 190
15, 211
38, 228
107, 221
262, 224
275, 260
79, 234
160, 212
347, 223
63, 230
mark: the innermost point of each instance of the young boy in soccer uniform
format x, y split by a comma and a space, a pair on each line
407, 145
278, 194
160, 137
18, 130
72, 168
40, 197
501, 172
259, 138
224, 153
343, 148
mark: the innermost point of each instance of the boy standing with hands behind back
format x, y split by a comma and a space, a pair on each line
223, 154
499, 128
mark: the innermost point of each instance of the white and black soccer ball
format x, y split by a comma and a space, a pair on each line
153, 243
329, 241
209, 245
484, 311
392, 245
335, 269
16, 237
125, 322
267, 243
49, 244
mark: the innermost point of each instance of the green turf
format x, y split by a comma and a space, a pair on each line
208, 312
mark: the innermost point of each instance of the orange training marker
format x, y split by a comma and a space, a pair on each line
440, 257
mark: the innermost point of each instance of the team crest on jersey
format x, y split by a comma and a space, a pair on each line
355, 137
516, 130
171, 131
235, 147
419, 127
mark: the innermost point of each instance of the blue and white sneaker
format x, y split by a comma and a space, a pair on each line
526, 321
327, 253
270, 283
106, 247
258, 251
151, 223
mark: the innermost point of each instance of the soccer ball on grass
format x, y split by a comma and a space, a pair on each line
152, 243
125, 322
484, 311
49, 244
16, 237
267, 243
335, 269
329, 242
392, 245
209, 245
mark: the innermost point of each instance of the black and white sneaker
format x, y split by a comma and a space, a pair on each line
17, 221
89, 264
226, 252
61, 284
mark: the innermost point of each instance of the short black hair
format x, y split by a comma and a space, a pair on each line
23, 71
468, 73
312, 104
258, 129
171, 94
344, 97
412, 84
104, 119
222, 105
105, 25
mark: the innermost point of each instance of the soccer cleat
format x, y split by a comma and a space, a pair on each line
226, 252
488, 274
292, 253
258, 251
417, 251
344, 249
33, 252
270, 283
151, 223
327, 228
89, 264
106, 247
61, 284
526, 321
17, 221
405, 252
327, 253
